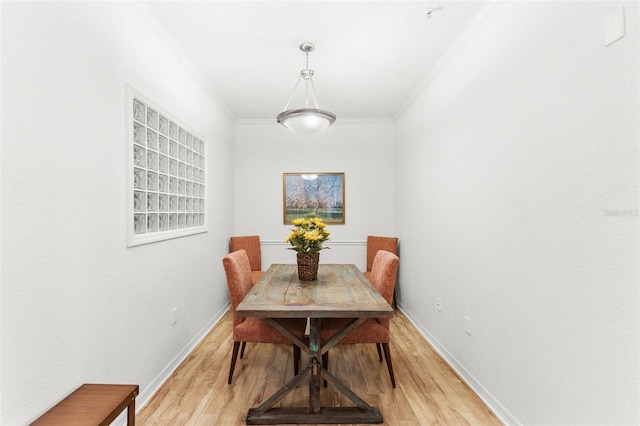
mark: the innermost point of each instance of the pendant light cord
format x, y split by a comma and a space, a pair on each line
309, 73
292, 93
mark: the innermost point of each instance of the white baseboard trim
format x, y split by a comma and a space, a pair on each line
494, 405
328, 243
148, 392
483, 393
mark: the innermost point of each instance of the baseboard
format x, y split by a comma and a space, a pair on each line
149, 391
327, 244
494, 405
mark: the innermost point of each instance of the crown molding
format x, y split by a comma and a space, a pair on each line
184, 58
460, 41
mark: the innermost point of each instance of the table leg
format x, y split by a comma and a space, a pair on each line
131, 413
314, 413
291, 384
316, 366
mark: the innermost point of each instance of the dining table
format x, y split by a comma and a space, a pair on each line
340, 291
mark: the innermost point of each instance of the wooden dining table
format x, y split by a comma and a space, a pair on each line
341, 291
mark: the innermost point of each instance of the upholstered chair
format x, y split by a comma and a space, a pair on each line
256, 330
374, 330
250, 243
374, 244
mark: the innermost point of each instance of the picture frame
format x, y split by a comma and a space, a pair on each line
313, 194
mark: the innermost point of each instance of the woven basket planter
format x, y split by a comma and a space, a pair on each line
308, 266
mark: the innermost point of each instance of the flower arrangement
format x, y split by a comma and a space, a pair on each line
307, 235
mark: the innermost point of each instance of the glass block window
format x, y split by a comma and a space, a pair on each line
166, 186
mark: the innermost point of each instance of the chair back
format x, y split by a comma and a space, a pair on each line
384, 272
238, 271
250, 243
374, 244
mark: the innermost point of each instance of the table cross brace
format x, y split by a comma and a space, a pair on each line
314, 370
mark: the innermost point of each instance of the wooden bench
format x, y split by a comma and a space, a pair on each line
93, 404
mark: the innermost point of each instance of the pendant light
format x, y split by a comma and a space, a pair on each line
307, 120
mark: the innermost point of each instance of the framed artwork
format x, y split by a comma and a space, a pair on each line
313, 194
166, 174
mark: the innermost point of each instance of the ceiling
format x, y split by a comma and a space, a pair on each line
370, 56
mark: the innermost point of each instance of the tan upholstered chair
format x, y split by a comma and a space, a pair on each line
375, 330
250, 243
374, 244
257, 330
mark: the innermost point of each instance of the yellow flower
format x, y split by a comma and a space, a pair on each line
307, 235
312, 235
318, 222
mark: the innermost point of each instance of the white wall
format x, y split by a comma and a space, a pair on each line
363, 150
77, 305
520, 161
515, 177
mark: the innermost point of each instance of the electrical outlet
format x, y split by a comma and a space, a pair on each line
174, 316
438, 304
467, 325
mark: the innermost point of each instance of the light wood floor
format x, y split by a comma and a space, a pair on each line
427, 392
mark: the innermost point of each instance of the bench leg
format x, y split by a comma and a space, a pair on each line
131, 413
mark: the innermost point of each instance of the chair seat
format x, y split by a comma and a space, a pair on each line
258, 330
374, 330
382, 276
237, 268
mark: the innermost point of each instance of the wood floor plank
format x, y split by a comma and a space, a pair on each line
428, 391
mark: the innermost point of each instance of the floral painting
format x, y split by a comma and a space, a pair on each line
309, 195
